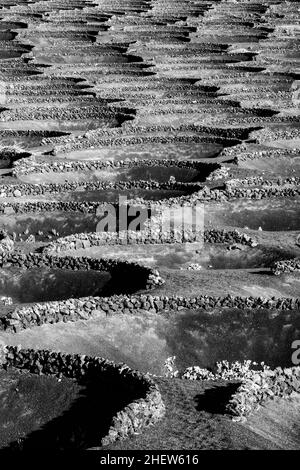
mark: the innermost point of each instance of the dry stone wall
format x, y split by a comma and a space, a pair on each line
286, 266
87, 240
262, 386
96, 307
28, 165
145, 406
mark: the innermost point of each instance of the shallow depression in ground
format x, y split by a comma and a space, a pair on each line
197, 337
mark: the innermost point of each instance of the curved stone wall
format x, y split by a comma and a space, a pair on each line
93, 307
86, 240
199, 193
145, 406
286, 266
6, 245
141, 276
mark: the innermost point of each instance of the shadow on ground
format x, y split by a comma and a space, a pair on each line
215, 399
83, 425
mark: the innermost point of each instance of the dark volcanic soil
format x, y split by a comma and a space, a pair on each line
29, 402
174, 100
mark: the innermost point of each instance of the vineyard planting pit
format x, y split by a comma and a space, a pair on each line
45, 284
275, 215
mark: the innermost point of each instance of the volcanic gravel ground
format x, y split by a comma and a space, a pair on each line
141, 92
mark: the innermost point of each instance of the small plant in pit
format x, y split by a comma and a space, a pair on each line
170, 367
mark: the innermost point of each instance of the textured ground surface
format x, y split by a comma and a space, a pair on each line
195, 421
131, 91
28, 402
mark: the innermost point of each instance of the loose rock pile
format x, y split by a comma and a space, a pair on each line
286, 266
